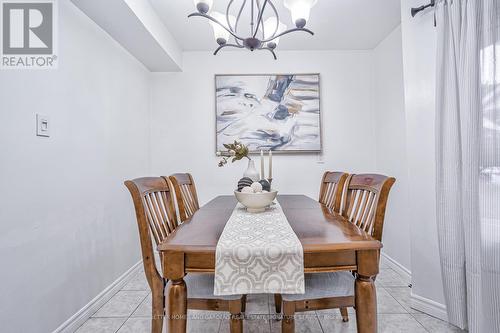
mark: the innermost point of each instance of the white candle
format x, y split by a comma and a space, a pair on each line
262, 176
270, 164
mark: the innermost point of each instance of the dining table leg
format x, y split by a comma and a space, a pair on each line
365, 292
177, 306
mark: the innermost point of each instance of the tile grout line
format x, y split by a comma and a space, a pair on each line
418, 321
425, 328
394, 298
133, 290
113, 297
220, 326
320, 325
92, 316
319, 321
407, 312
119, 328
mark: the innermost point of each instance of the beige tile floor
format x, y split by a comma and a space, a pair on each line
128, 311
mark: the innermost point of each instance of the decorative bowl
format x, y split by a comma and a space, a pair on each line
256, 202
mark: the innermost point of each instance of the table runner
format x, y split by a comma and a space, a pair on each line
258, 253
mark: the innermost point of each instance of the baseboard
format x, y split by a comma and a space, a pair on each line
397, 266
428, 306
77, 320
417, 302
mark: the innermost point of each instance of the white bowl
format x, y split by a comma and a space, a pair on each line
256, 202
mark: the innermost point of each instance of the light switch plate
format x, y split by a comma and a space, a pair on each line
42, 125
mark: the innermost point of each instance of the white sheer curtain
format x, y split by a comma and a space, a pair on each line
468, 160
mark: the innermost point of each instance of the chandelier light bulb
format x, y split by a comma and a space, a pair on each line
221, 35
203, 6
300, 10
270, 28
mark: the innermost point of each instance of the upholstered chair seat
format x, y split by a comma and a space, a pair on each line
202, 286
323, 285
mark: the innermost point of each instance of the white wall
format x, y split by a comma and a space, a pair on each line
183, 118
67, 227
389, 111
419, 54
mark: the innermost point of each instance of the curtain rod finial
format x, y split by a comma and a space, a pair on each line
414, 11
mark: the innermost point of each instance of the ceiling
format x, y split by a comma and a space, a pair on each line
338, 24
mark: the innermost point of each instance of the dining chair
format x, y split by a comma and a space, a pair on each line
157, 220
366, 200
332, 187
185, 192
330, 195
187, 201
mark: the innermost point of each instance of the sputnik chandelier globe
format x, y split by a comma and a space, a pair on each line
262, 35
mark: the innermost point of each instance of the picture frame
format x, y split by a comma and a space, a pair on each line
278, 112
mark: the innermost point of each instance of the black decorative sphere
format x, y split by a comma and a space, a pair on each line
265, 185
243, 182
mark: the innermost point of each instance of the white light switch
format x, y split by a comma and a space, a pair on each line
42, 125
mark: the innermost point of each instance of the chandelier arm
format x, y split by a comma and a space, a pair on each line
261, 22
238, 20
277, 19
226, 45
227, 15
251, 16
260, 18
270, 50
287, 32
215, 21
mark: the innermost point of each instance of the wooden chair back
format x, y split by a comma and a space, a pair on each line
156, 217
185, 193
366, 200
332, 187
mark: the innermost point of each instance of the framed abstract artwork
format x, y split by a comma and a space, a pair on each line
278, 112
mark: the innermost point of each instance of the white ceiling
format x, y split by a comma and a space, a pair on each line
338, 24
137, 27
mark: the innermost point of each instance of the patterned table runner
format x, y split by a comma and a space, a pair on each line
258, 253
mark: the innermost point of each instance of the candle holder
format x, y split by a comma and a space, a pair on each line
270, 181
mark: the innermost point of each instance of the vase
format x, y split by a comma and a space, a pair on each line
251, 172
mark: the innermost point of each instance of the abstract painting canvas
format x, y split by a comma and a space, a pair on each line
278, 112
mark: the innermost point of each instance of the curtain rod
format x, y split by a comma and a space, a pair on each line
415, 11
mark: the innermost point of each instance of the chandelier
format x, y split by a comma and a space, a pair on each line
264, 35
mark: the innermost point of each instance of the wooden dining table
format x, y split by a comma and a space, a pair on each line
330, 244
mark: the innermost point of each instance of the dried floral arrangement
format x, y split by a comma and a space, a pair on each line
234, 152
